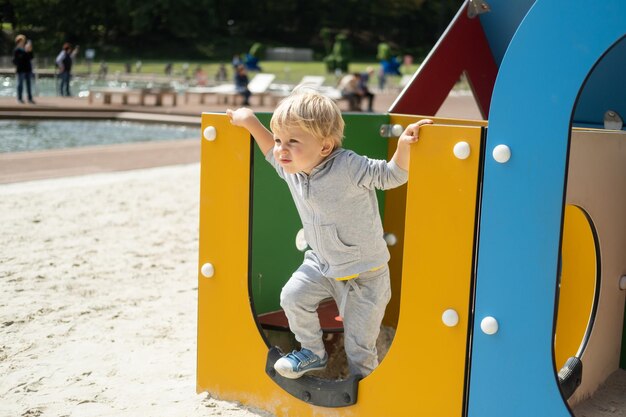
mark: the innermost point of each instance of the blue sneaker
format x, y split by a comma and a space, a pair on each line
295, 364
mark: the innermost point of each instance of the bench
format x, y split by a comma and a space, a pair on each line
202, 92
125, 92
107, 93
159, 94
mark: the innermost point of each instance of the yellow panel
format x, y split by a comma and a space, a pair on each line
228, 339
423, 372
231, 351
578, 284
395, 210
437, 269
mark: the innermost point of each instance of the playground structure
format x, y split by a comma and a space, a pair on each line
509, 238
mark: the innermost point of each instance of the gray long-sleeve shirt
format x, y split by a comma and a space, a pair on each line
339, 210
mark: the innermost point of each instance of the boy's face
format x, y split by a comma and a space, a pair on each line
299, 151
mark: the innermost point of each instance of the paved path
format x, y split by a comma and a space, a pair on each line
26, 166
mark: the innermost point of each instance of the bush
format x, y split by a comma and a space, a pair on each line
257, 50
339, 58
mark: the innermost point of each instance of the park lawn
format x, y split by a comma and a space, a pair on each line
285, 71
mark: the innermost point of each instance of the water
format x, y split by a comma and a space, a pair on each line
79, 86
31, 135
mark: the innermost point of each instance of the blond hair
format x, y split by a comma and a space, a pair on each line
312, 112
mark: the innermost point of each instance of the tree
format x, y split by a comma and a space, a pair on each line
186, 26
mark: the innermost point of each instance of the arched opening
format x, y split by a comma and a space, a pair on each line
578, 293
277, 249
594, 217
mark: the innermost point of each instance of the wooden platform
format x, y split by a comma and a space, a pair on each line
327, 312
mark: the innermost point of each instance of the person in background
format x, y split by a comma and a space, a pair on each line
236, 61
103, 71
364, 90
389, 66
222, 74
349, 88
22, 57
64, 64
241, 84
200, 77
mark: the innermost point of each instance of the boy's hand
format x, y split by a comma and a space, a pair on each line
408, 137
241, 117
244, 117
411, 133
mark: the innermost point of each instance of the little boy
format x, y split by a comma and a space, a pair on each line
334, 192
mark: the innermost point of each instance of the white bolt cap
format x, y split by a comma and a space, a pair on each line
301, 243
209, 133
450, 318
390, 238
501, 153
622, 282
489, 325
397, 130
462, 150
207, 270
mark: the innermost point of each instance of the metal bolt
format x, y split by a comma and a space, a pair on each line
209, 133
501, 153
207, 270
450, 317
489, 325
461, 150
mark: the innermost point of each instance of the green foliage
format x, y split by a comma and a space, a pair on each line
211, 29
339, 58
384, 52
257, 50
326, 35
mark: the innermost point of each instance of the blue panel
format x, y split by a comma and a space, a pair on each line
501, 23
545, 66
605, 89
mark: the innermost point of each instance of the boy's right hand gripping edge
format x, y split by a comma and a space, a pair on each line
406, 139
411, 133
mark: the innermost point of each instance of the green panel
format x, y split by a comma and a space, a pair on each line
275, 221
622, 363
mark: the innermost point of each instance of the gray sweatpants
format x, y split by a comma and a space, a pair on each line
362, 302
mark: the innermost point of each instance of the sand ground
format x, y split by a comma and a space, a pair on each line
98, 299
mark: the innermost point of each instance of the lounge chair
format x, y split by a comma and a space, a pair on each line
280, 91
258, 86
